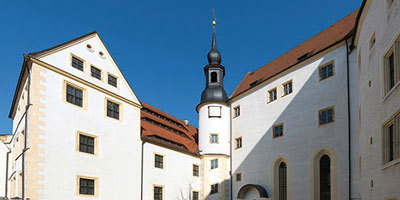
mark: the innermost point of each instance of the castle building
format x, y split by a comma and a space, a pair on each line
320, 122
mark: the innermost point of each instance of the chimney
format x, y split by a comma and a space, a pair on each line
186, 121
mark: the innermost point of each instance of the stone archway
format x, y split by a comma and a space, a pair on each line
252, 192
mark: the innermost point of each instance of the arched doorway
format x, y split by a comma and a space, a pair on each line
252, 192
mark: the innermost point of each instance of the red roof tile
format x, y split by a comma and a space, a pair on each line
323, 40
164, 129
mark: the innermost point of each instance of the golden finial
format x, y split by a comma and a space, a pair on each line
214, 22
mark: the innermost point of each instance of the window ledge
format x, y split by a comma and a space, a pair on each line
391, 91
391, 163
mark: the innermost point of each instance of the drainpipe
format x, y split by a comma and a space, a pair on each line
7, 160
26, 126
141, 173
231, 173
348, 114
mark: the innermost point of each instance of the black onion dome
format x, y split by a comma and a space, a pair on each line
214, 94
214, 57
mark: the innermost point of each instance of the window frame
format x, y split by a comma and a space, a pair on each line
198, 195
324, 66
394, 121
212, 135
215, 185
273, 130
95, 187
215, 164
283, 88
323, 110
99, 70
236, 142
394, 49
80, 59
196, 173
235, 113
156, 162
238, 177
269, 95
84, 94
95, 143
116, 80
121, 109
162, 191
74, 95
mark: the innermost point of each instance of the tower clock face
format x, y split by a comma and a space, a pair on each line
214, 111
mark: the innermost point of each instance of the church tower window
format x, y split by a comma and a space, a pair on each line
325, 177
282, 181
214, 77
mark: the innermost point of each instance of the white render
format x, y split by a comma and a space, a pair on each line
214, 125
376, 107
176, 176
303, 136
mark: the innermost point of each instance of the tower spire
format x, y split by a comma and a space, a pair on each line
214, 57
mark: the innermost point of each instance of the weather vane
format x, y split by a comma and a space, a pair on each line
214, 22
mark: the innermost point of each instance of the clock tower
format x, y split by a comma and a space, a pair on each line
214, 128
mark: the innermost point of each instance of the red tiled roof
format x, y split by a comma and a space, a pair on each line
323, 40
164, 129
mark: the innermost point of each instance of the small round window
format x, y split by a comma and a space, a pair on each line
101, 54
89, 47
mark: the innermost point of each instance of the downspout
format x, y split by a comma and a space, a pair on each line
231, 174
141, 173
26, 127
348, 114
6, 185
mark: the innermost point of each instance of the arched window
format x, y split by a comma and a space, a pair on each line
325, 177
282, 181
214, 77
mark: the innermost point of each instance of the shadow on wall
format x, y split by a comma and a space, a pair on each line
303, 138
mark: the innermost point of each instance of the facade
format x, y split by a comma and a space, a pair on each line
378, 49
320, 122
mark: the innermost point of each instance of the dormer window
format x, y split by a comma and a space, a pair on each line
214, 77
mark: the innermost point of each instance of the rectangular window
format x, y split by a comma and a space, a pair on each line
159, 161
238, 143
96, 73
112, 110
86, 186
158, 193
74, 95
326, 115
287, 88
195, 195
214, 164
112, 80
277, 130
389, 71
214, 189
326, 71
196, 170
214, 138
272, 95
236, 111
238, 177
86, 144
391, 145
77, 63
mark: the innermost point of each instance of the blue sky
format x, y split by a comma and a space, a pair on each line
161, 46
